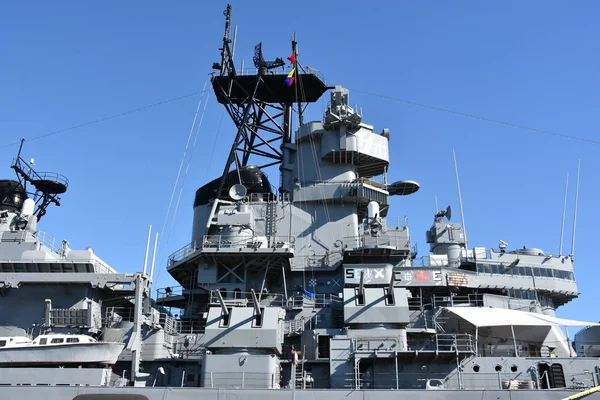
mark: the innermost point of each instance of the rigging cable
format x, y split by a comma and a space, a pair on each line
480, 118
212, 152
160, 103
192, 128
183, 160
188, 165
408, 102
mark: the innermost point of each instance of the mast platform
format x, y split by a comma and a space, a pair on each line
307, 88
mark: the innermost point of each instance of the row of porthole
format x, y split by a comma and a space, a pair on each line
497, 368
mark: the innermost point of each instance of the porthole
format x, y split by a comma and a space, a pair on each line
514, 368
498, 368
475, 368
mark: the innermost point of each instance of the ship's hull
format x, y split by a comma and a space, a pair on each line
81, 353
149, 393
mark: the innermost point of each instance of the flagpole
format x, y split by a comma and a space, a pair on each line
297, 72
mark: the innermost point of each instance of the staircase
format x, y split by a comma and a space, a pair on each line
293, 327
301, 379
557, 376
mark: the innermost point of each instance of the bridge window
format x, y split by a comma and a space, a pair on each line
60, 340
497, 269
2, 343
72, 340
43, 341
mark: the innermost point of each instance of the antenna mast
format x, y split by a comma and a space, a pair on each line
462, 216
562, 225
260, 105
43, 187
575, 217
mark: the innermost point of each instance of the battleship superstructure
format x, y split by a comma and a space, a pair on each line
293, 291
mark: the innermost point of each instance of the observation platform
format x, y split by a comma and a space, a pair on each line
307, 88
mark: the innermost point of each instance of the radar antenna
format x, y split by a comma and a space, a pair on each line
259, 61
444, 213
43, 187
260, 105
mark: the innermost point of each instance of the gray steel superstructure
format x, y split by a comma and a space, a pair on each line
307, 290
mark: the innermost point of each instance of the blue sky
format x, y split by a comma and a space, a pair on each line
529, 63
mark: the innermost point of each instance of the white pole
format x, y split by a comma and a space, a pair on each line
462, 216
147, 249
562, 226
568, 340
576, 201
234, 40
153, 257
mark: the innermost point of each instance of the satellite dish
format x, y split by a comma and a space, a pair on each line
448, 212
237, 191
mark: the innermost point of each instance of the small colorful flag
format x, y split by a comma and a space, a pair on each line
290, 78
292, 58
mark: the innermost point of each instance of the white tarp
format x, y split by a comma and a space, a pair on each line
489, 316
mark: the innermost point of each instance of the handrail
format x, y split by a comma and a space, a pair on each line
385, 240
245, 299
250, 71
46, 240
222, 241
32, 175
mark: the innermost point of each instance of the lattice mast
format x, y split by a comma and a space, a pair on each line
260, 105
43, 187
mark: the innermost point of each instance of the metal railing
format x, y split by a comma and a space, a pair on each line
417, 303
169, 291
182, 253
25, 168
241, 380
115, 315
384, 240
309, 70
226, 242
250, 242
100, 267
465, 380
461, 343
245, 299
426, 261
47, 240
53, 177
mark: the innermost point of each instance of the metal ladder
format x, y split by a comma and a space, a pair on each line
300, 376
271, 222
